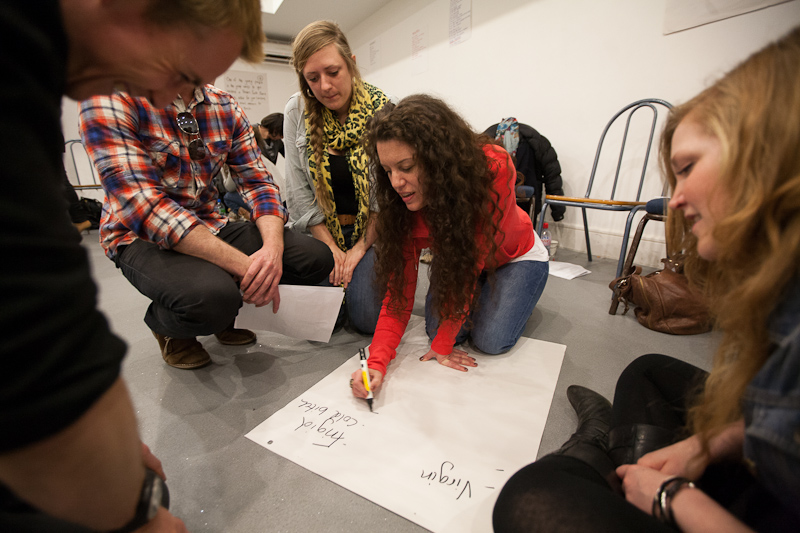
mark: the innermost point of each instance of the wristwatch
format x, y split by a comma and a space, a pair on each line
154, 494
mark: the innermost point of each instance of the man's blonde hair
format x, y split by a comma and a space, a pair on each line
243, 16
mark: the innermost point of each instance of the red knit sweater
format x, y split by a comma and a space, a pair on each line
514, 238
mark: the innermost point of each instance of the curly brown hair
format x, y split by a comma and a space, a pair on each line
752, 111
456, 180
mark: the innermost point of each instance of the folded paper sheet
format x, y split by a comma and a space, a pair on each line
567, 270
305, 313
440, 444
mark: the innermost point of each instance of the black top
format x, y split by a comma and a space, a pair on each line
344, 190
57, 351
272, 148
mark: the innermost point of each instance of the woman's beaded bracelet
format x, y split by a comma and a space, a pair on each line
662, 501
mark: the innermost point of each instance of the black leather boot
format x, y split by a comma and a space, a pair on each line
594, 417
627, 444
589, 443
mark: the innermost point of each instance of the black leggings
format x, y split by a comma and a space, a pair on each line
561, 493
656, 389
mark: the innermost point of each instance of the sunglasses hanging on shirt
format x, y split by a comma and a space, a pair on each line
189, 126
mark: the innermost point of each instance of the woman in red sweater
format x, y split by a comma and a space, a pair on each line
441, 186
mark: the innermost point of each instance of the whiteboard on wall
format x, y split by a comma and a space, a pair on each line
250, 91
440, 444
684, 14
279, 84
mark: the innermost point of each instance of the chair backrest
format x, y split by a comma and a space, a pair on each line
80, 169
653, 104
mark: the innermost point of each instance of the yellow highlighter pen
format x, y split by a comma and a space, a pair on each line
365, 376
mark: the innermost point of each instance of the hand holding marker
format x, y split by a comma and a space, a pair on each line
365, 376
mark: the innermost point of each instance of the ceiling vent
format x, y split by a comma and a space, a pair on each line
277, 52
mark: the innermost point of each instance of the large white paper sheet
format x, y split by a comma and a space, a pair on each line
440, 444
305, 312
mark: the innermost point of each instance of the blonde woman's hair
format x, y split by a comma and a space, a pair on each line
754, 112
243, 16
309, 41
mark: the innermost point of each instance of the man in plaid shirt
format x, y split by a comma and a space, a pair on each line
161, 227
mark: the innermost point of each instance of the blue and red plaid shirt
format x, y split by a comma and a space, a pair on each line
154, 191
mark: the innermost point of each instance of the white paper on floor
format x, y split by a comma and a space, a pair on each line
567, 270
440, 444
305, 312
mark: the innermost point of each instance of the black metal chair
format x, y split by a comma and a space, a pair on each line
611, 203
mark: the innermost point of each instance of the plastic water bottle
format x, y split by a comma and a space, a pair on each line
221, 207
546, 239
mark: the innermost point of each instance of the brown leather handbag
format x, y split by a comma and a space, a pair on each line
664, 300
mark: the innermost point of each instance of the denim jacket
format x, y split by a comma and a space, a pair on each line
771, 406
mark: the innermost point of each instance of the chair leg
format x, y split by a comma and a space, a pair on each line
624, 248
541, 218
586, 231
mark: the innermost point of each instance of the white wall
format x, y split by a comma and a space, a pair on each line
564, 67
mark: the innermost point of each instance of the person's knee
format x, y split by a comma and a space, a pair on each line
212, 307
306, 261
491, 345
363, 312
643, 364
363, 324
493, 340
322, 262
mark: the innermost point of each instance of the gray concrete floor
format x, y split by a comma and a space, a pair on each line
195, 421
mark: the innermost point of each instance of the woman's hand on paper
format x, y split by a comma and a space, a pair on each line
357, 382
457, 359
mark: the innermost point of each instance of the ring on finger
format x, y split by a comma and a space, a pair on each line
351, 383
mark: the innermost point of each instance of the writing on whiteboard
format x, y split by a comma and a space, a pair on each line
250, 91
327, 430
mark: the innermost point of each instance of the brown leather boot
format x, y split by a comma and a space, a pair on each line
182, 353
235, 337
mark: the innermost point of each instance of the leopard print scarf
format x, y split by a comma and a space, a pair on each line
346, 138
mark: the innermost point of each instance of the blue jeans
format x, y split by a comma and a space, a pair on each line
503, 310
233, 201
362, 303
362, 298
525, 191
